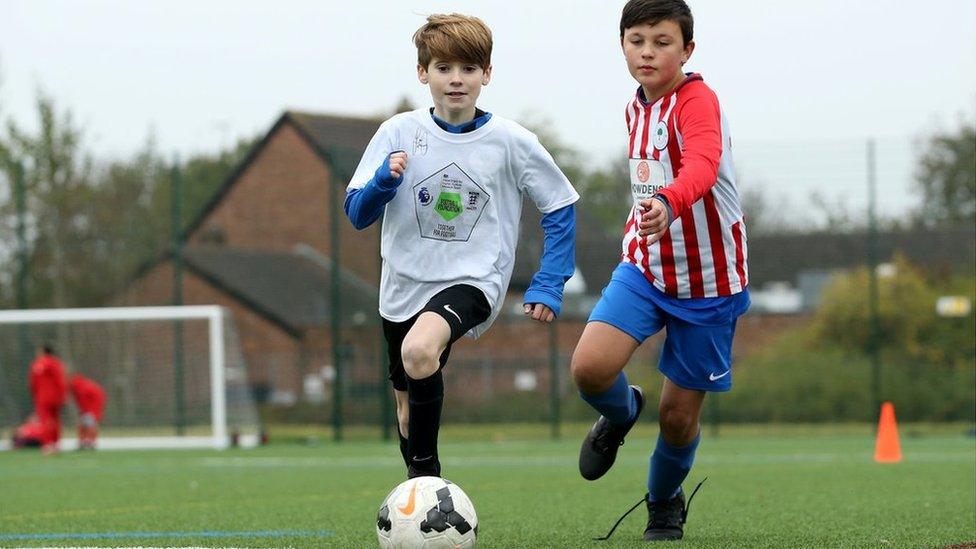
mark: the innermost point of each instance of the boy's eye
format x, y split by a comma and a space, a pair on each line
469, 68
663, 43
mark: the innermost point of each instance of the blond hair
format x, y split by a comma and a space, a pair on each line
454, 37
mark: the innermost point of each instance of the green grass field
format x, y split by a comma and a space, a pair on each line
782, 487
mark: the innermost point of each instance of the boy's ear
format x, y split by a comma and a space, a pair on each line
422, 74
688, 51
486, 77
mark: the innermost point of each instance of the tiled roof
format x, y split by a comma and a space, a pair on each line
293, 289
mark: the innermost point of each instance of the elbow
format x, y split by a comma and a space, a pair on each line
353, 214
361, 220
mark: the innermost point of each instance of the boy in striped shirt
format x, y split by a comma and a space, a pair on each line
683, 263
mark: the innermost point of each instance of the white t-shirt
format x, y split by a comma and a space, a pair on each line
455, 216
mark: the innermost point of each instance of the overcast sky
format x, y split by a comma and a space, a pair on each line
804, 84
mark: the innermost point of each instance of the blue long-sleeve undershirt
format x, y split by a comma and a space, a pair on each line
558, 259
364, 206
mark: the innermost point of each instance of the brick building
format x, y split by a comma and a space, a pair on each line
273, 242
263, 247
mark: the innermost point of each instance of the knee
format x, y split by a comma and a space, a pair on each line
677, 425
588, 376
420, 359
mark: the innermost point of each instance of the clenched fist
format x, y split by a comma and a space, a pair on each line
654, 219
398, 163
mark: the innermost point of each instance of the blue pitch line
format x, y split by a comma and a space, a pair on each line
205, 534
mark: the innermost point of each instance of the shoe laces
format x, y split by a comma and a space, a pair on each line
607, 439
664, 514
684, 510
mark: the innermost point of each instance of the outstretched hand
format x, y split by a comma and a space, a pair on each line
539, 312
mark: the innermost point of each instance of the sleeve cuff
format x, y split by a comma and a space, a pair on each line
549, 298
382, 176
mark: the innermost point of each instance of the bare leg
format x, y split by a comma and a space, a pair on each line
680, 412
600, 357
601, 354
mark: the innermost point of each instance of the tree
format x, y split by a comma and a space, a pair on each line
91, 225
909, 326
202, 175
58, 176
946, 175
767, 214
605, 194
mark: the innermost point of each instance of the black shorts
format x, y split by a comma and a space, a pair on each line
462, 306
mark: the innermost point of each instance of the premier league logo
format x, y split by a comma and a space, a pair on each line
423, 196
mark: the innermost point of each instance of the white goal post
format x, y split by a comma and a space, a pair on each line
139, 354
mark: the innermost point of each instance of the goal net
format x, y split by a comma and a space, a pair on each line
174, 377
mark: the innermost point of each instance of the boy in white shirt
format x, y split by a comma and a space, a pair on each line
449, 182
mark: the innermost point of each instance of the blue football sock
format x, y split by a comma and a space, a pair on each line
617, 403
668, 468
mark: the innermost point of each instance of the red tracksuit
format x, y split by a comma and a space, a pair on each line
47, 386
88, 395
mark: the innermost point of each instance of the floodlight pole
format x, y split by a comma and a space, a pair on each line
874, 345
176, 217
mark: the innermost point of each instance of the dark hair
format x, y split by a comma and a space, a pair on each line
653, 12
48, 349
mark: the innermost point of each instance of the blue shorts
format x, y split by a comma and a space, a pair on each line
697, 351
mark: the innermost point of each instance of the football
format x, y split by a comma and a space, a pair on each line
427, 512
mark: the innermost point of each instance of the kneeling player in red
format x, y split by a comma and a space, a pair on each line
30, 434
90, 398
48, 392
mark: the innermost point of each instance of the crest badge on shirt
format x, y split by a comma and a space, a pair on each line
449, 204
420, 143
661, 136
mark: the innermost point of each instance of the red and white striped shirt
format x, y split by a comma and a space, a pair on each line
680, 148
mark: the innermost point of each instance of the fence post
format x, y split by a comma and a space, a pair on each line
554, 412
176, 226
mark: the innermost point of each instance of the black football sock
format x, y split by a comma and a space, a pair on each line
425, 396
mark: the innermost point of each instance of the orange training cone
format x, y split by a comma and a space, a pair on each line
887, 449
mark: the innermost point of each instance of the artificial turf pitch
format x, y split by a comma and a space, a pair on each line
778, 488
